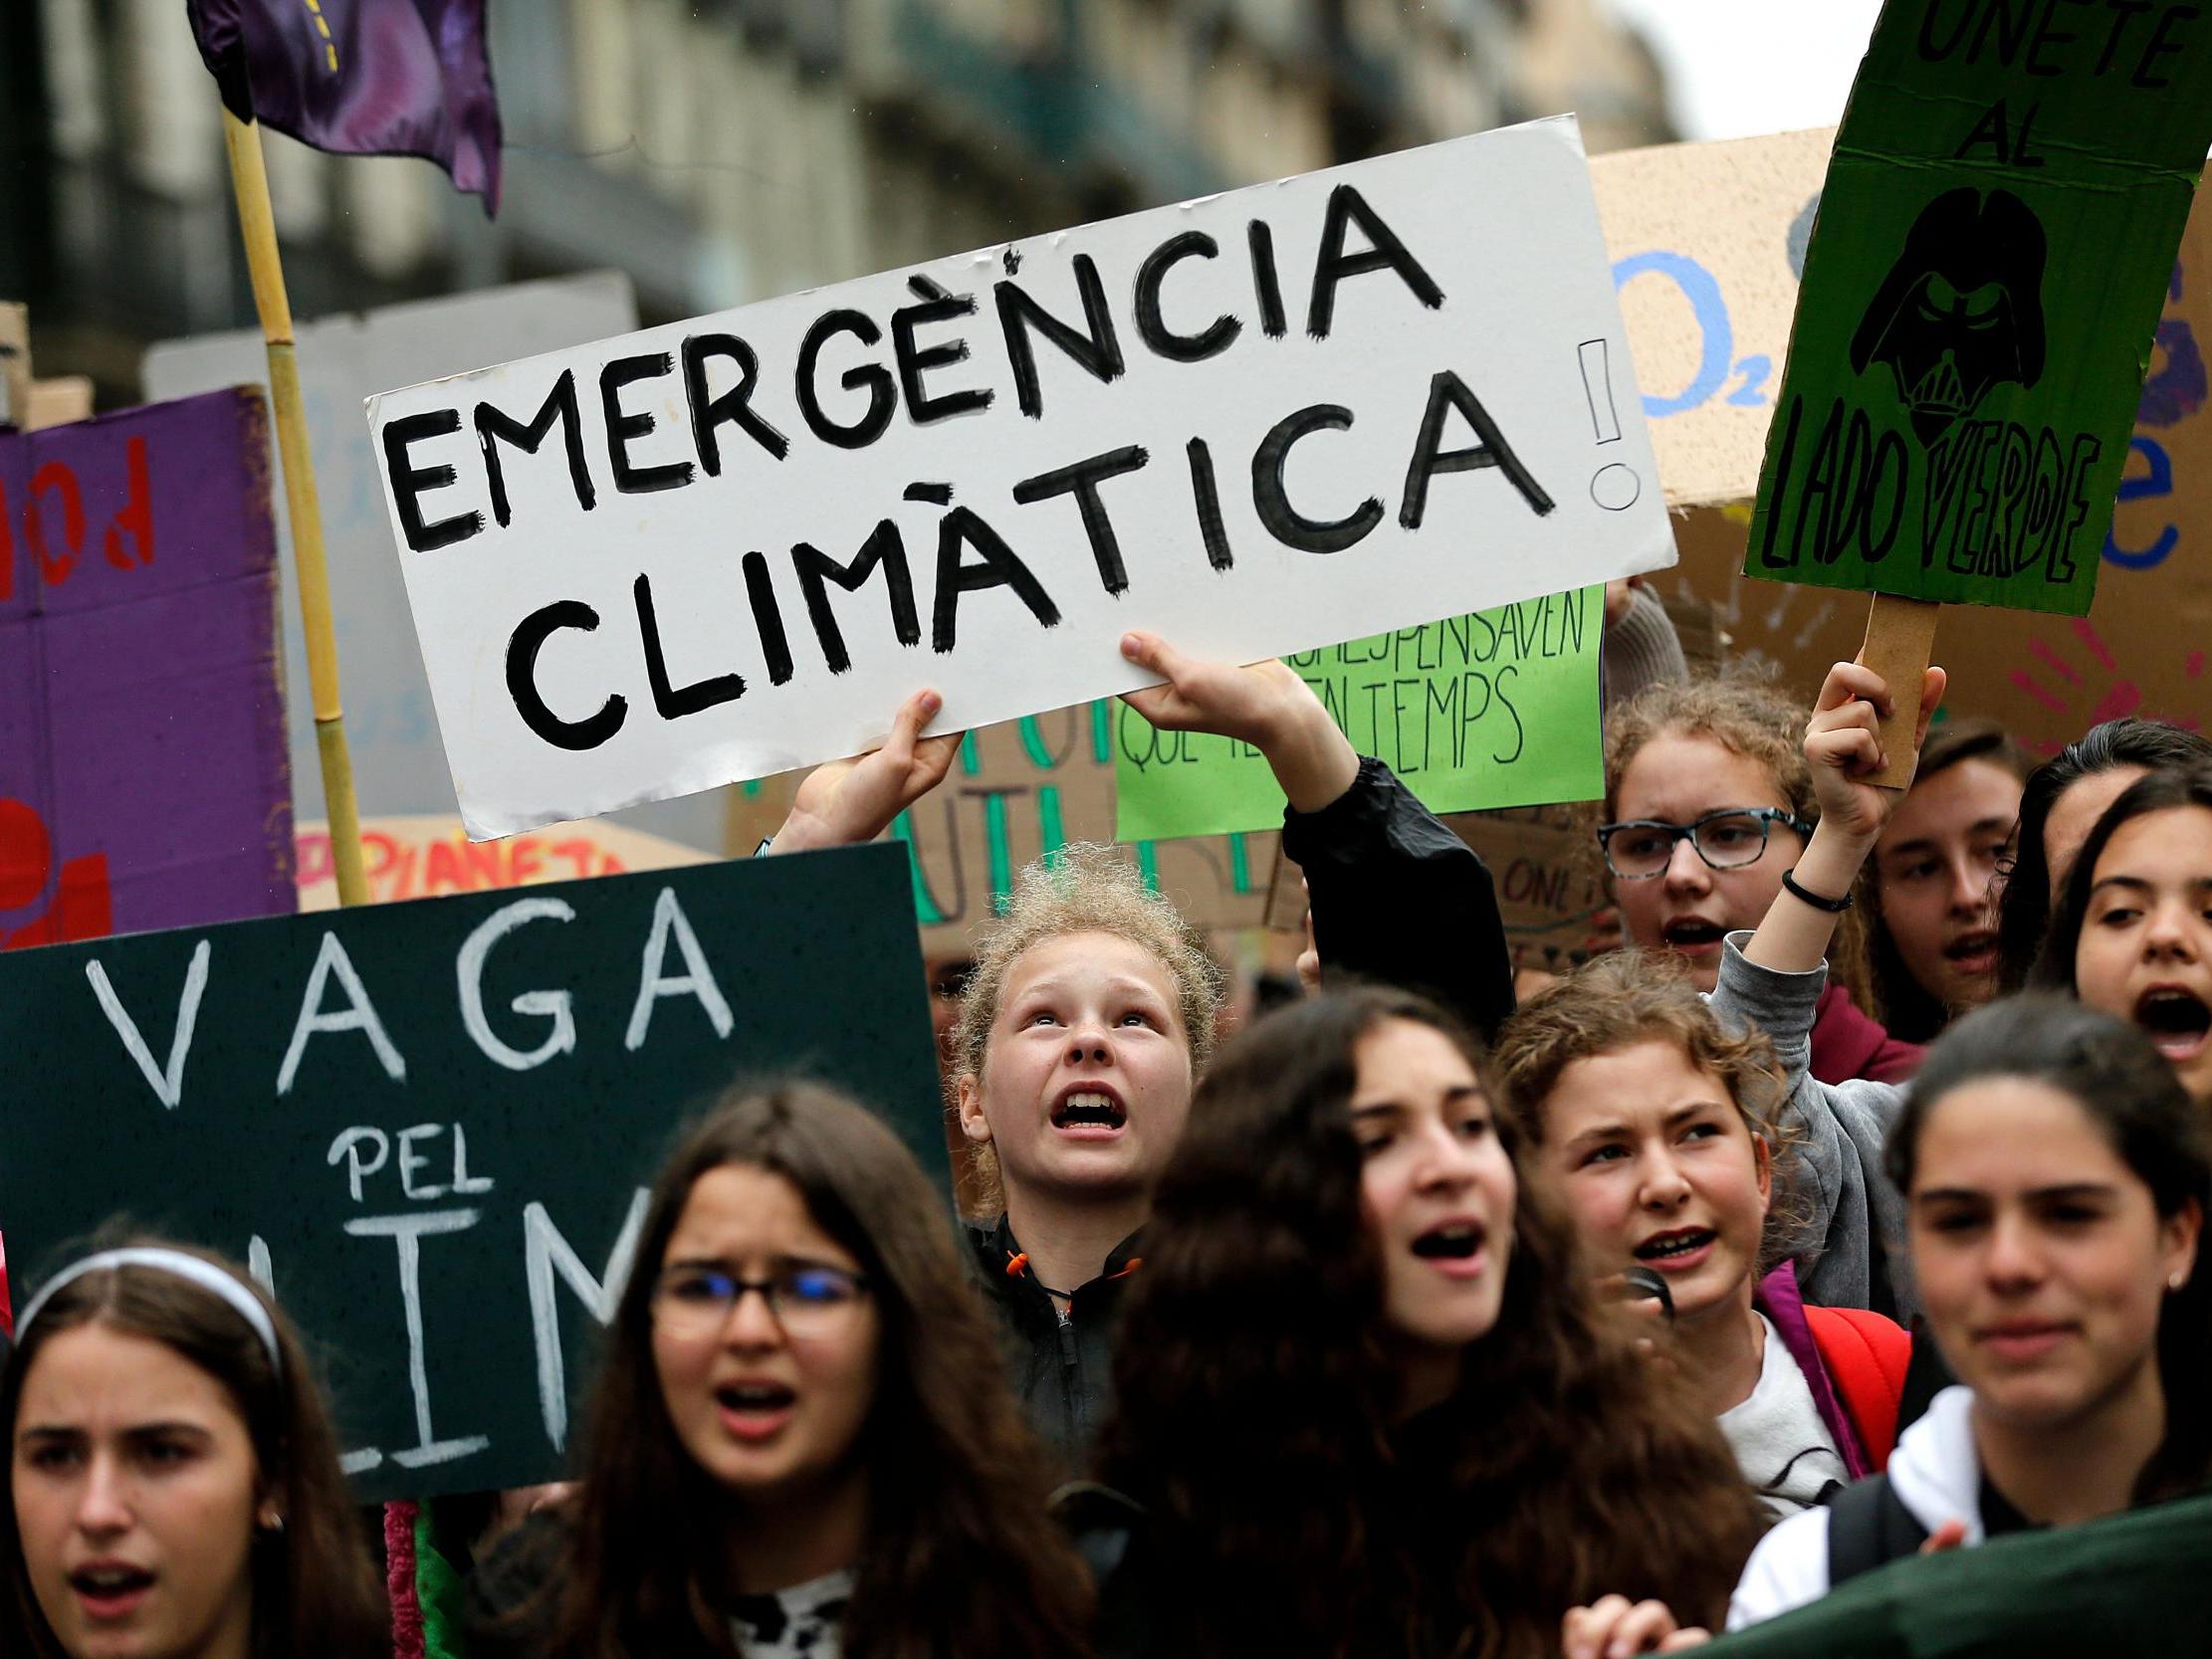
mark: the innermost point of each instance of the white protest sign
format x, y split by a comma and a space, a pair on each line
1257, 423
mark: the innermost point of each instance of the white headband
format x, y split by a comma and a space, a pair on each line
206, 1275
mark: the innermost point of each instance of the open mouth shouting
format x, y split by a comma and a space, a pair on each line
1678, 1250
1454, 1247
754, 1411
2177, 1019
1693, 934
110, 1589
1974, 951
1089, 1112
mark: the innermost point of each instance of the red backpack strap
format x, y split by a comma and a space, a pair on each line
1866, 1357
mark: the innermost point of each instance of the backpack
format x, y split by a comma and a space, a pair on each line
1868, 1527
1867, 1357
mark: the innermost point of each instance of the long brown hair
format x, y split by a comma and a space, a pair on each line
1255, 1401
961, 1557
315, 1588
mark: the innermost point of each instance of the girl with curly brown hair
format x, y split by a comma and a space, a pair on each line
799, 1443
1664, 1138
1367, 1404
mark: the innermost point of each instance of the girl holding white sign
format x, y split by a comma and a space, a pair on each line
799, 1443
175, 1485
1089, 1015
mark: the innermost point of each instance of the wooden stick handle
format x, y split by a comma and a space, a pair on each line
257, 225
1900, 642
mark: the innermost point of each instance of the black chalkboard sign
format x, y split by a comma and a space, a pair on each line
429, 1126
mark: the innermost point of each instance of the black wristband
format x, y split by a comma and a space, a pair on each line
1834, 906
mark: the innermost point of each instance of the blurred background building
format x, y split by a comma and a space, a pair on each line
725, 150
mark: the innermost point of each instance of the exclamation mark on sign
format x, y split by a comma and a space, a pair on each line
1615, 485
1596, 386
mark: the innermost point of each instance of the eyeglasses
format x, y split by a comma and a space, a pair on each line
1640, 848
808, 1299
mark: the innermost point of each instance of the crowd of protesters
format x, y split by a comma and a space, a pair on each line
1848, 1211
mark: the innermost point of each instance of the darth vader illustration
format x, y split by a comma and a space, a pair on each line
1961, 310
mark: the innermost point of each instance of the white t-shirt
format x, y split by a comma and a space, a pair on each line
802, 1622
1780, 1442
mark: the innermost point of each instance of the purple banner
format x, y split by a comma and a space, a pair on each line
143, 773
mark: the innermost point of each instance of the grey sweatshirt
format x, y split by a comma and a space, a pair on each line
1845, 1123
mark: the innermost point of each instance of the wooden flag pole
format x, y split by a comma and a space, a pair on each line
257, 224
1900, 642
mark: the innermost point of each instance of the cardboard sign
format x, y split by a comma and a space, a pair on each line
430, 1126
431, 857
1019, 792
1984, 275
1707, 241
398, 764
1496, 709
2142, 648
727, 547
141, 725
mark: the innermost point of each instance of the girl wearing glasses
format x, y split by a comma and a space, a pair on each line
174, 1487
1707, 801
1365, 1404
799, 1443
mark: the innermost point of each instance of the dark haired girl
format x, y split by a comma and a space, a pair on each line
174, 1485
799, 1443
2056, 1177
1931, 940
2063, 799
1365, 1403
2133, 933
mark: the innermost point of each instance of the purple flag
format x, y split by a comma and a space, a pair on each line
362, 76
143, 781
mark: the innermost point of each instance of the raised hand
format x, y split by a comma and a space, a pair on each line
1842, 745
845, 802
1265, 704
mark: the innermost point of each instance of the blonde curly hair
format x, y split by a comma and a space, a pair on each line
1747, 714
1084, 888
1626, 997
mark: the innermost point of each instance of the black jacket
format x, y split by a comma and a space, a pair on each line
1401, 900
1060, 1370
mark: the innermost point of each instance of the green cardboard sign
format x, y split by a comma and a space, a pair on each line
430, 1125
1988, 264
1498, 707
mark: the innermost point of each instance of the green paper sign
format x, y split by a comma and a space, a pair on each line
1498, 707
1989, 261
429, 1126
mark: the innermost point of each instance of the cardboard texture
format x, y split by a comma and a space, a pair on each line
1707, 242
1497, 709
431, 1126
432, 856
2142, 649
1017, 793
141, 725
704, 552
398, 763
1983, 281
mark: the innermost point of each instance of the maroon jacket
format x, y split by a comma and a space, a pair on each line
1848, 1044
